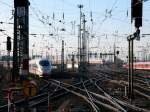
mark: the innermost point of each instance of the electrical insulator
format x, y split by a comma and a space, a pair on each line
8, 44
136, 12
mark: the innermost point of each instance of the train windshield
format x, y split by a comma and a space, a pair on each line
44, 63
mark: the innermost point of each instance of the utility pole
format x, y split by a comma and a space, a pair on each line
88, 48
84, 43
114, 54
21, 40
73, 62
114, 67
56, 57
79, 38
33, 56
83, 59
62, 57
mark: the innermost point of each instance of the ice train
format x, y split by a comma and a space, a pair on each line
40, 67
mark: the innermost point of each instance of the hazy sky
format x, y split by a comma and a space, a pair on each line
109, 17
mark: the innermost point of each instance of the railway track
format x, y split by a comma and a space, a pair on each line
63, 88
138, 80
112, 101
95, 99
108, 76
42, 97
140, 86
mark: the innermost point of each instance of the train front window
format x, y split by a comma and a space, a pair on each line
34, 65
44, 63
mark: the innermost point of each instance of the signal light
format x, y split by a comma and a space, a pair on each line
8, 44
138, 22
21, 3
136, 12
117, 52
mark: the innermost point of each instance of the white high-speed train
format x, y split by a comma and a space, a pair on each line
40, 67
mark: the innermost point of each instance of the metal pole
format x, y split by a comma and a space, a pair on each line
130, 39
62, 57
8, 64
80, 38
132, 60
115, 57
129, 69
79, 45
114, 54
32, 54
88, 47
84, 43
15, 47
84, 48
73, 61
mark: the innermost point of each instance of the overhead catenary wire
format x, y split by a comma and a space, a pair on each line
42, 20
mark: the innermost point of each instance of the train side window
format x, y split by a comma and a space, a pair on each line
142, 66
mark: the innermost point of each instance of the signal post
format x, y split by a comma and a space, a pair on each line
136, 15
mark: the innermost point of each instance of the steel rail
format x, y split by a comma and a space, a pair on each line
79, 95
110, 98
100, 96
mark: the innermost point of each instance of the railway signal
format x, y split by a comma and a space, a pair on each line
8, 44
117, 52
136, 12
